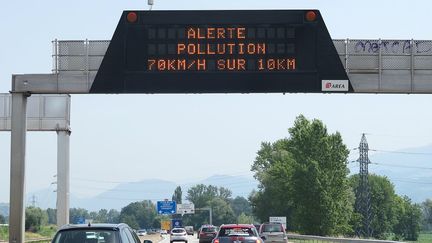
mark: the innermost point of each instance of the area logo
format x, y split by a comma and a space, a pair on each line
335, 85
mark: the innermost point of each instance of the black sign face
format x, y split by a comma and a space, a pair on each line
219, 52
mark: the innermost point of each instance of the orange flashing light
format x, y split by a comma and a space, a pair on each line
311, 16
132, 17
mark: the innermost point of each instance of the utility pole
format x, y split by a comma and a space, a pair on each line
33, 201
363, 205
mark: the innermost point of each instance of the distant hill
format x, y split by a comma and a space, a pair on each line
149, 189
4, 209
410, 170
239, 185
125, 193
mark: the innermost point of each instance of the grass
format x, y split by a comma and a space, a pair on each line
424, 238
45, 232
4, 232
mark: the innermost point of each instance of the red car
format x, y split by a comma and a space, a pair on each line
237, 233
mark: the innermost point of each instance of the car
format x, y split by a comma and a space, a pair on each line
233, 233
178, 234
142, 232
96, 233
189, 230
273, 232
207, 233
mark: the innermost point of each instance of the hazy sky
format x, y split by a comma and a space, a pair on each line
188, 137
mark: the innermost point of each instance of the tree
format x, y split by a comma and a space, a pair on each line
113, 216
52, 215
177, 196
304, 177
131, 221
408, 219
201, 194
217, 198
102, 216
35, 218
2, 219
245, 219
139, 214
390, 213
382, 194
241, 205
77, 214
427, 214
222, 212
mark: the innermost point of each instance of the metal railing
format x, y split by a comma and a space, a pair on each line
322, 239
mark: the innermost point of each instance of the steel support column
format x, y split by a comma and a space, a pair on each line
63, 177
17, 169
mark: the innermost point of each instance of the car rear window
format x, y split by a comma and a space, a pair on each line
86, 236
178, 231
272, 228
209, 229
237, 231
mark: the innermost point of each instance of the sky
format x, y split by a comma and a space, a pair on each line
181, 138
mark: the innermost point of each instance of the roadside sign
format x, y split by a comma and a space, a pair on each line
176, 223
236, 51
166, 207
166, 225
281, 220
81, 220
185, 208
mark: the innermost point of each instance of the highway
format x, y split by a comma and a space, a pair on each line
191, 239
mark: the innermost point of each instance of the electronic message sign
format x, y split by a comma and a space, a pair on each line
253, 51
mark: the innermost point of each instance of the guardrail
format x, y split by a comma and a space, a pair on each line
317, 239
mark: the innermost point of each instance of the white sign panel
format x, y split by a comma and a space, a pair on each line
335, 85
186, 208
281, 220
44, 112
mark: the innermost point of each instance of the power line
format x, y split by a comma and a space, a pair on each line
400, 152
403, 166
413, 182
214, 179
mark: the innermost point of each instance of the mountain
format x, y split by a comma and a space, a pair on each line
239, 185
149, 189
4, 209
410, 170
125, 193
156, 190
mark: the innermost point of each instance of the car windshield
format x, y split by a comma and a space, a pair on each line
237, 231
272, 228
178, 231
86, 236
209, 229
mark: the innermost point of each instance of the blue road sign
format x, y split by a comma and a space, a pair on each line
166, 207
176, 223
80, 220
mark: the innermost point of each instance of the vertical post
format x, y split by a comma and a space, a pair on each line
211, 215
17, 169
63, 177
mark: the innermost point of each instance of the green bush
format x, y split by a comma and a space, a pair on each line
35, 219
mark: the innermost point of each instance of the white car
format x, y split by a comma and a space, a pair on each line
178, 234
142, 232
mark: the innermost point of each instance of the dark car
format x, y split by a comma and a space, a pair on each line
237, 233
207, 233
96, 233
